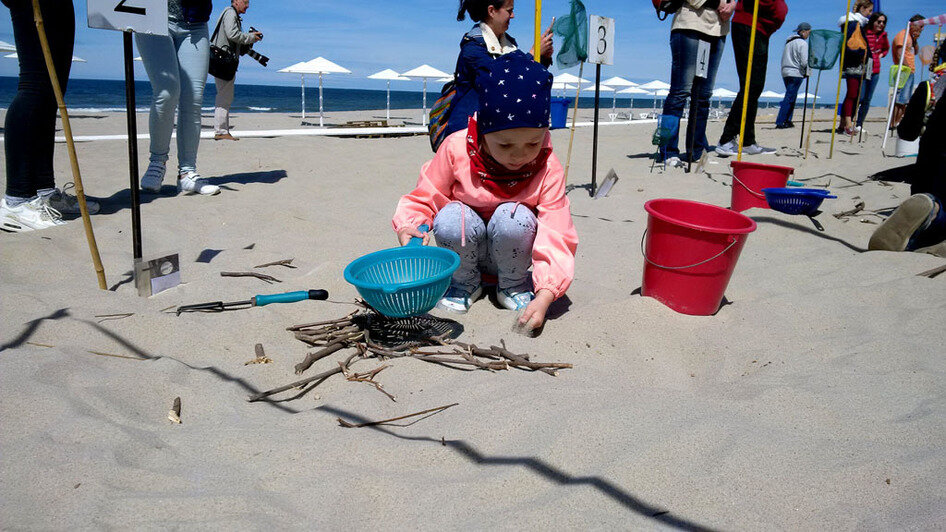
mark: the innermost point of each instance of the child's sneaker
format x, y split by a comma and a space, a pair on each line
458, 300
513, 300
28, 216
66, 203
192, 182
154, 176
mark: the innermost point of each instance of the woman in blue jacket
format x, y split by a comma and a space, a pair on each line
177, 67
480, 46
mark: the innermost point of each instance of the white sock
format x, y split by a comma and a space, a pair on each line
14, 201
45, 192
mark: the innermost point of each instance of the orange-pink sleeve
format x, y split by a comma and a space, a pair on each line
553, 253
431, 193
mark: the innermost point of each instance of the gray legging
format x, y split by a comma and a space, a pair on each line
502, 247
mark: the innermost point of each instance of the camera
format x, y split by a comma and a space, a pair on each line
248, 50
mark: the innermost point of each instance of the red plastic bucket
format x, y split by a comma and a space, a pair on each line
690, 251
750, 178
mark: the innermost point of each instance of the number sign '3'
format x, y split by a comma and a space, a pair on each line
601, 40
140, 16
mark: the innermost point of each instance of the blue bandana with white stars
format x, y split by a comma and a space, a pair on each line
514, 92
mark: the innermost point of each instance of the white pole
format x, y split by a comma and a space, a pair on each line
614, 103
303, 95
389, 101
424, 117
896, 87
320, 101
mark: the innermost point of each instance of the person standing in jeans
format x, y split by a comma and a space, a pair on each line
32, 200
695, 21
230, 36
771, 16
794, 70
177, 67
879, 47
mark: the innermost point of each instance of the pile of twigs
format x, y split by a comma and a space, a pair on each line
372, 335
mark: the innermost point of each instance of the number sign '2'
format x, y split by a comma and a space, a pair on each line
601, 40
140, 16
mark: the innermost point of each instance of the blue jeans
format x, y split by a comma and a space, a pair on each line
787, 107
177, 67
866, 94
683, 50
503, 246
903, 97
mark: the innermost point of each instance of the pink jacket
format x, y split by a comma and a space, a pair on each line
447, 178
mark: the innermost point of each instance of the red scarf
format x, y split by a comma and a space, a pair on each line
496, 178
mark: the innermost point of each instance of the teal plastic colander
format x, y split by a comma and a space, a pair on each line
404, 281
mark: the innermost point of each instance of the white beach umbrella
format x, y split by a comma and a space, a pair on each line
635, 90
770, 95
425, 72
75, 59
662, 93
565, 77
723, 94
445, 79
655, 85
7, 47
388, 75
563, 87
320, 66
618, 82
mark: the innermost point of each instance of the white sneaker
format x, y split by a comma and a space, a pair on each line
673, 162
28, 216
755, 149
727, 150
66, 203
515, 300
459, 301
192, 182
154, 177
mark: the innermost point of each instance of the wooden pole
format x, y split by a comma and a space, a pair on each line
67, 130
860, 95
896, 88
745, 88
837, 98
537, 49
571, 138
804, 111
814, 103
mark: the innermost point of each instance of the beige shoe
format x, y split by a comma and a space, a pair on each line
895, 233
224, 136
938, 250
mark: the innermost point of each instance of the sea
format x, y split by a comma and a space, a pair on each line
103, 95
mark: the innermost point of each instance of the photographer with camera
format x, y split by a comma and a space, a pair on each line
229, 36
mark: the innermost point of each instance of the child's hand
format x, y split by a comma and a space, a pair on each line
405, 234
534, 315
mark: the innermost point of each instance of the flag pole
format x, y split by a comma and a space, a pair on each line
537, 49
804, 111
745, 89
70, 144
571, 139
837, 98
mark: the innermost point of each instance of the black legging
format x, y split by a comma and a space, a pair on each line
30, 126
760, 55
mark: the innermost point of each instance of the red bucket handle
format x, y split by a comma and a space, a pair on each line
714, 257
753, 192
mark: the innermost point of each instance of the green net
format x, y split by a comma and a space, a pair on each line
824, 47
573, 28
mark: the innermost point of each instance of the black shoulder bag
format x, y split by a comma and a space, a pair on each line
223, 62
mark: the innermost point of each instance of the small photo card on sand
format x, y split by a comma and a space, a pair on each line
155, 275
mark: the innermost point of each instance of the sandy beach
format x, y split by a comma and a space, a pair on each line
813, 399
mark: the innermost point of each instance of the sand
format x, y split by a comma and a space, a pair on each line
813, 400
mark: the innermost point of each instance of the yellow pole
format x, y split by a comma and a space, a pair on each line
537, 49
67, 130
745, 88
837, 98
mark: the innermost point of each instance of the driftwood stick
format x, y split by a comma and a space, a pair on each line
932, 273
344, 423
857, 208
261, 276
311, 358
500, 365
285, 262
518, 361
318, 323
303, 382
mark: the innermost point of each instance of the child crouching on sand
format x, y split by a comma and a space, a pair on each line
495, 194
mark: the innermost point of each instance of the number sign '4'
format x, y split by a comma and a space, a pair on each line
140, 16
601, 40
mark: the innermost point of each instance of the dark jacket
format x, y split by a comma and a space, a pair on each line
854, 59
931, 158
474, 58
196, 11
771, 15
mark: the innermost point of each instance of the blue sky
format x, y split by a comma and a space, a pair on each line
366, 36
